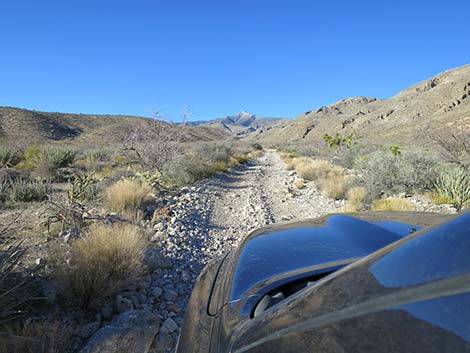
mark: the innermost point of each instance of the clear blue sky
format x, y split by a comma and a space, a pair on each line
272, 58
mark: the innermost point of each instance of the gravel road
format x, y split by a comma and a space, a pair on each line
207, 219
196, 225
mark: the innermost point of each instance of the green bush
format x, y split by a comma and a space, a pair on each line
32, 155
8, 157
383, 173
28, 190
454, 184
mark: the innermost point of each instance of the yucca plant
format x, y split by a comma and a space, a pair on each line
22, 190
8, 157
16, 283
454, 183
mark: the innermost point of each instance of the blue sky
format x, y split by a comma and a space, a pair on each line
272, 58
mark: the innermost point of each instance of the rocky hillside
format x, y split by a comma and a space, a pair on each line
241, 124
405, 119
28, 127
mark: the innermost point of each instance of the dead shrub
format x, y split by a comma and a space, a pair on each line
103, 262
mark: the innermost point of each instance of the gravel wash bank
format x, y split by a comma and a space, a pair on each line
201, 223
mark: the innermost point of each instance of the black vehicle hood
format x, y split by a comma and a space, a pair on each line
269, 253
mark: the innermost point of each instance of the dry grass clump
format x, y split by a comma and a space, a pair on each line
103, 262
355, 197
330, 178
127, 196
392, 204
38, 337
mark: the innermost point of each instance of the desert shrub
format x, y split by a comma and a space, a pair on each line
9, 157
38, 337
103, 262
22, 190
82, 188
355, 199
385, 173
454, 184
186, 169
127, 196
392, 204
256, 146
32, 155
98, 155
214, 152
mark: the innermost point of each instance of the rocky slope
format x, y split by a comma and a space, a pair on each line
406, 119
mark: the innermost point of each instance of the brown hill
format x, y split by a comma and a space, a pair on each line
26, 127
406, 119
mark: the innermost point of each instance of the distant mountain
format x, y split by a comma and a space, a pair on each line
21, 126
241, 124
406, 119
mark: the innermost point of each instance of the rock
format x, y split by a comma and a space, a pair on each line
163, 343
154, 259
156, 292
89, 329
185, 276
123, 304
107, 312
131, 332
169, 294
169, 326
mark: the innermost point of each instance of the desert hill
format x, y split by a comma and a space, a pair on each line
28, 127
405, 119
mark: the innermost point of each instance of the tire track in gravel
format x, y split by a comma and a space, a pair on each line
211, 217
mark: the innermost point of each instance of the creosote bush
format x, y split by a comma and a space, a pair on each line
383, 173
127, 196
392, 204
103, 262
